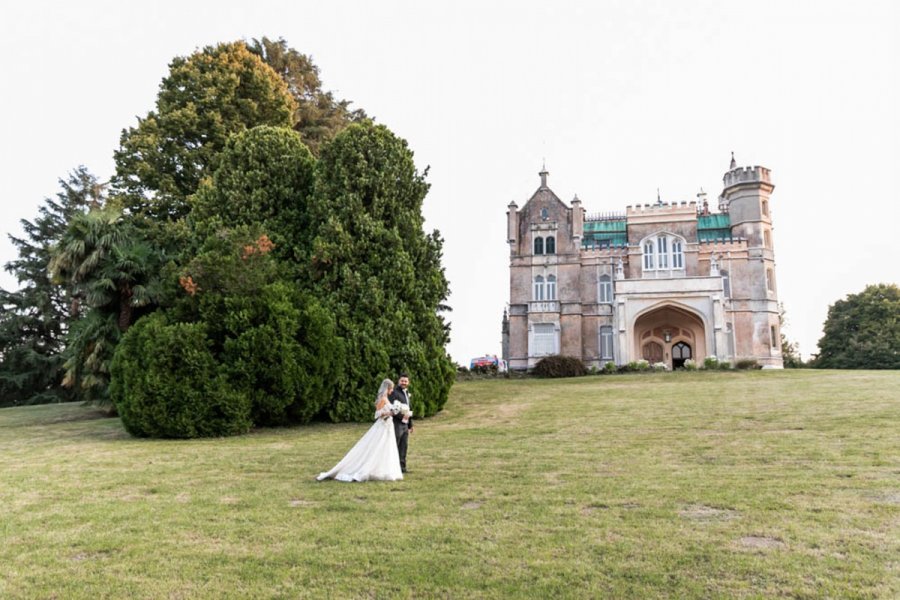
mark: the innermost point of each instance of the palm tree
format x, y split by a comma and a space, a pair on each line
113, 271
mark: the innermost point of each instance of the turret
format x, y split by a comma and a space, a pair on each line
577, 222
512, 225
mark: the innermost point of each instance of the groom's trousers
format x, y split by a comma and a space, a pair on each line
402, 432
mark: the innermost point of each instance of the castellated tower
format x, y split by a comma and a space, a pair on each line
754, 303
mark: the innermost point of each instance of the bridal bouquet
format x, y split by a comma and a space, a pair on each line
398, 408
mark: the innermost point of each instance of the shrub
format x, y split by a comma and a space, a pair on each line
724, 366
747, 363
165, 382
660, 366
485, 369
690, 365
609, 367
560, 366
710, 362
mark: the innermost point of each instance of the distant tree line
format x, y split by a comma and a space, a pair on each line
259, 257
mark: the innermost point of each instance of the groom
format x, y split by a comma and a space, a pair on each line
401, 429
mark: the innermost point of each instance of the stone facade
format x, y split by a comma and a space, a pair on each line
664, 281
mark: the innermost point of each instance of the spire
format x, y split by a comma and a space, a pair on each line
733, 162
658, 198
543, 175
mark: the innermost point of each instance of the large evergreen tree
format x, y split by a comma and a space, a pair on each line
319, 115
863, 331
205, 98
265, 178
377, 269
34, 319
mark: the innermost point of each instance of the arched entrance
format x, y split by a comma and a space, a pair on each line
669, 334
680, 353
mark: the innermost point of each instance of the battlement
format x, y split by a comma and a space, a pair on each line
755, 174
661, 208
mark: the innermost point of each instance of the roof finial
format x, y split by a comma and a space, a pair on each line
543, 174
658, 199
733, 162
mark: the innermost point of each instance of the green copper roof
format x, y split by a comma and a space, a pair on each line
716, 221
603, 233
605, 226
713, 227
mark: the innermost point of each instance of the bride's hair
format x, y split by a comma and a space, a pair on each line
385, 386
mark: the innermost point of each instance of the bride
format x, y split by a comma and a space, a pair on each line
375, 456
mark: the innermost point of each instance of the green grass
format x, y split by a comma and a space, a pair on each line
706, 485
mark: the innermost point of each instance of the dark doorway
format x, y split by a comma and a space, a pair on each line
680, 353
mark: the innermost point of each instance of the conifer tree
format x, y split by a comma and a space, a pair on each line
35, 318
379, 272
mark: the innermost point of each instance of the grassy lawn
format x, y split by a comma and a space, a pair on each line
688, 485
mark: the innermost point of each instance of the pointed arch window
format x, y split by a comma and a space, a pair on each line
770, 280
767, 238
538, 292
663, 252
538, 245
606, 289
726, 283
550, 245
551, 287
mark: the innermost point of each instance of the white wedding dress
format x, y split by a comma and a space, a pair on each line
374, 457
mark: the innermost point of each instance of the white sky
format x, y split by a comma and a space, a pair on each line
619, 98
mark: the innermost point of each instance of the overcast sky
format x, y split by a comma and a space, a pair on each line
619, 98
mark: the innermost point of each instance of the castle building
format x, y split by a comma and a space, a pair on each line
664, 282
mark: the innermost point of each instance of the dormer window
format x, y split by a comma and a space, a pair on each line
550, 245
538, 245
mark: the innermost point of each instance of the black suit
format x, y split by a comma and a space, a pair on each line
401, 429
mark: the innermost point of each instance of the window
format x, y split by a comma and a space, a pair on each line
662, 259
551, 287
726, 284
606, 289
538, 288
538, 245
649, 263
544, 339
606, 342
770, 280
767, 238
765, 208
677, 254
545, 214
550, 247
663, 252
773, 335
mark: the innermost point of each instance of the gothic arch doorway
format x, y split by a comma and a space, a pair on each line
680, 353
669, 334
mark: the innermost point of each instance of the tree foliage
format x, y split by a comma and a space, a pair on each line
105, 259
863, 331
319, 116
205, 98
377, 269
265, 179
34, 319
167, 383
